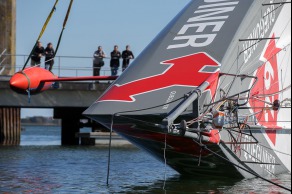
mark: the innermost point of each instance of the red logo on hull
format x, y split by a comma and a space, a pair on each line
187, 71
268, 84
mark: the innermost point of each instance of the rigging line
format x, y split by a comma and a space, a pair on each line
284, 57
41, 33
275, 9
165, 158
289, 62
196, 120
242, 168
256, 58
272, 94
252, 62
258, 41
109, 151
250, 73
259, 161
244, 138
282, 62
152, 124
165, 161
231, 97
208, 110
64, 26
139, 110
267, 4
238, 71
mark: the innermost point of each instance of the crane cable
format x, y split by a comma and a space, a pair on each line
41, 33
64, 26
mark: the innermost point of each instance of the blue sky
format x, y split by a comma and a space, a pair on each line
92, 23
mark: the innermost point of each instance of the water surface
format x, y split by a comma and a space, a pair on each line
41, 165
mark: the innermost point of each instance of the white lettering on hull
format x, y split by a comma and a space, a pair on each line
169, 100
257, 153
201, 30
260, 30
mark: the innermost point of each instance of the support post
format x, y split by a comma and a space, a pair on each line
10, 126
70, 124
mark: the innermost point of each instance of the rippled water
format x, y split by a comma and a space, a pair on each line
41, 165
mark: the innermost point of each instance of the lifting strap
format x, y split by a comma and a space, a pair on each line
42, 32
64, 26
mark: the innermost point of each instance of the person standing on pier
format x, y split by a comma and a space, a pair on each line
127, 56
38, 53
50, 54
98, 62
115, 61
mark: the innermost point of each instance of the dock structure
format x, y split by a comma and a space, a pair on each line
9, 116
102, 139
10, 126
69, 101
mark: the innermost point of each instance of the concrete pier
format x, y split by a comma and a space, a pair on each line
10, 126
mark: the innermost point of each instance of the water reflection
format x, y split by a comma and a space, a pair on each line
187, 185
181, 185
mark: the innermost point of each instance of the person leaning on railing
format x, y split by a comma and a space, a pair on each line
50, 54
98, 62
127, 56
115, 60
37, 54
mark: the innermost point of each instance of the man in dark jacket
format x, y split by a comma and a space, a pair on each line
127, 56
98, 62
50, 54
115, 60
38, 53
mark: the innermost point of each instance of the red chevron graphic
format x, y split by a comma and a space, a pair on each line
184, 71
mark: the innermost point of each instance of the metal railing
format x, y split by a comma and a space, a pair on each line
65, 66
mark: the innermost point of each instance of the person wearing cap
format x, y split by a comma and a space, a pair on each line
50, 54
98, 62
115, 60
37, 54
127, 56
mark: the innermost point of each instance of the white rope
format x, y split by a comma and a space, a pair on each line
165, 162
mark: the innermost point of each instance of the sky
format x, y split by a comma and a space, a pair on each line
91, 23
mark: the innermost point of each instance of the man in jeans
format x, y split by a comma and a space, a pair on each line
115, 60
98, 62
50, 54
38, 53
127, 56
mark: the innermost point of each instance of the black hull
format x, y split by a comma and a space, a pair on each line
186, 155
